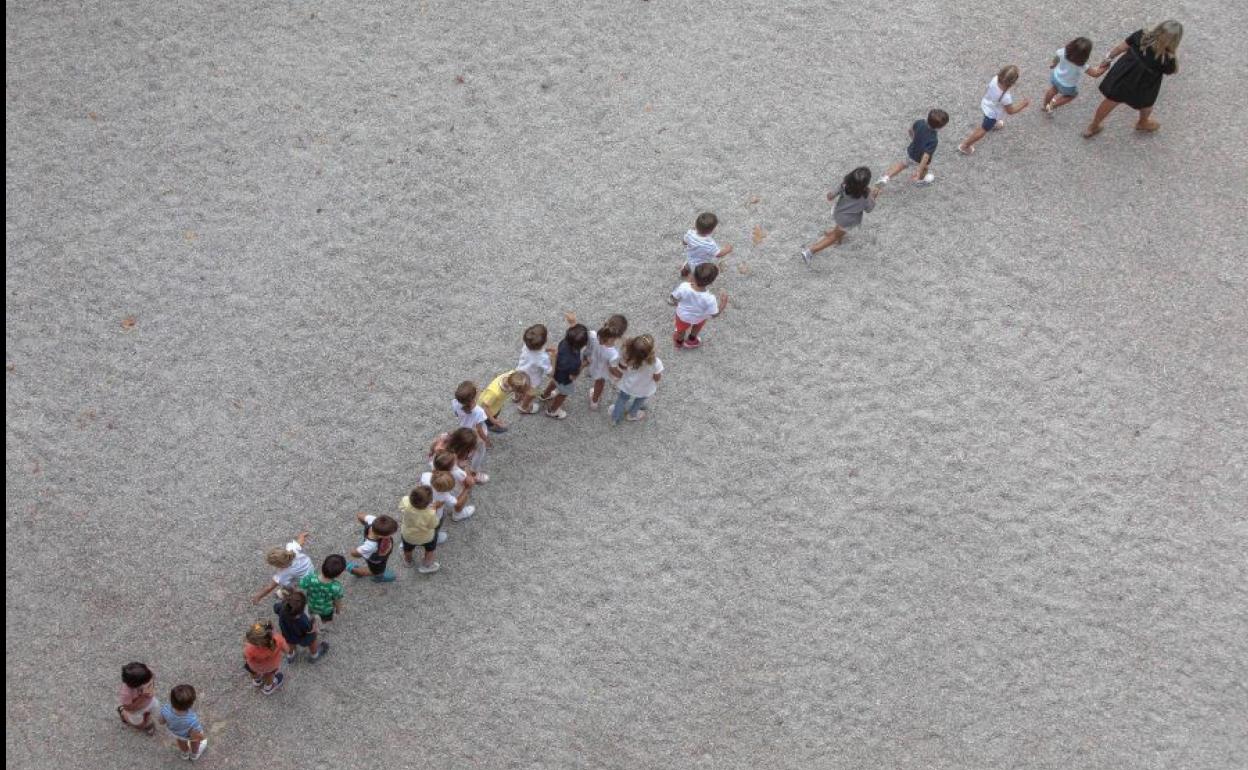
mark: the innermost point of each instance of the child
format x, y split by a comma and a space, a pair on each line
375, 550
444, 498
324, 591
263, 654
569, 362
996, 104
695, 305
473, 417
854, 197
1068, 65
449, 463
494, 397
923, 142
292, 564
603, 356
137, 698
421, 528
700, 248
535, 363
183, 723
642, 372
298, 628
462, 442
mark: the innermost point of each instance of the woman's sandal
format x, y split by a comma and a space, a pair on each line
1147, 126
1092, 131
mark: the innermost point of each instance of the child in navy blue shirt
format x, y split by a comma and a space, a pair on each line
569, 362
298, 628
923, 142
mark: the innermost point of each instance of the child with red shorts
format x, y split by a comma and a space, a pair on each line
695, 305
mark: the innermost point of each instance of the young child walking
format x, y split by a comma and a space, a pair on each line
695, 305
421, 527
298, 628
642, 370
700, 247
494, 397
604, 355
183, 723
535, 363
569, 361
448, 462
924, 139
851, 200
996, 104
264, 652
473, 417
137, 702
1069, 64
324, 591
444, 498
291, 563
375, 550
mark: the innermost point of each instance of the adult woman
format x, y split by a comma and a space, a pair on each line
1136, 77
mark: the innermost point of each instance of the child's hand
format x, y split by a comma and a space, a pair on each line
302, 538
1025, 104
723, 301
551, 351
831, 195
725, 251
570, 317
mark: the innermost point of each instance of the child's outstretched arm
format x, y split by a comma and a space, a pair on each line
1018, 107
1100, 69
921, 171
725, 251
268, 589
570, 317
302, 538
723, 304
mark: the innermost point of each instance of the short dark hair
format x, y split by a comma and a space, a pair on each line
294, 603
619, 323
182, 697
1079, 50
577, 336
384, 525
535, 336
706, 222
443, 461
705, 274
466, 393
135, 674
462, 441
857, 183
420, 497
937, 118
333, 565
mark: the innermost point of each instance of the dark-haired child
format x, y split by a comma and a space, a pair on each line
421, 527
449, 462
695, 305
996, 104
183, 723
924, 139
291, 564
264, 652
375, 550
298, 627
1069, 64
324, 591
851, 200
603, 355
494, 397
569, 361
137, 700
473, 417
700, 248
535, 363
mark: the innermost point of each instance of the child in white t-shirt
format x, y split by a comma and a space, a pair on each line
700, 247
473, 417
642, 369
535, 363
996, 104
291, 563
695, 305
604, 356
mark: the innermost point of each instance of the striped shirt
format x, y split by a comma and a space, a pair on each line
180, 725
699, 249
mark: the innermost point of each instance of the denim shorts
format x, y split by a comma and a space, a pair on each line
1071, 91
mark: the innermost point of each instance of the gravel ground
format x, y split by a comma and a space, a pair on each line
970, 493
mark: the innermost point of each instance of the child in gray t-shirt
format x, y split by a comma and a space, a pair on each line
851, 200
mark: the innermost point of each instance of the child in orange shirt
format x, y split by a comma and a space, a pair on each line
264, 651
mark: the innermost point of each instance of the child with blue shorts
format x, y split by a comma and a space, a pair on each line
1068, 65
996, 104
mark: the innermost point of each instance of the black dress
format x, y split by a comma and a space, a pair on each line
1135, 78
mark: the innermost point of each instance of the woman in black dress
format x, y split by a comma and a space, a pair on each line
1136, 77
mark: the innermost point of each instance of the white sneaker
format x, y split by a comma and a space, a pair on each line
483, 478
559, 415
884, 179
461, 515
203, 746
429, 570
807, 256
927, 179
441, 537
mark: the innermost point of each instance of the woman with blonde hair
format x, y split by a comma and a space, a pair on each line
1135, 79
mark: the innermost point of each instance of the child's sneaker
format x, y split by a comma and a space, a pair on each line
962, 150
807, 256
428, 570
203, 746
278, 679
184, 754
320, 652
593, 405
637, 417
385, 577
291, 657
464, 514
483, 478
884, 180
678, 341
498, 429
559, 415
533, 409
926, 180
442, 536
692, 343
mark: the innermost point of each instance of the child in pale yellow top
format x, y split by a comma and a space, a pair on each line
495, 395
420, 528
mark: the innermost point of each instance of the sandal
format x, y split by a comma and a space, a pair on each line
1091, 131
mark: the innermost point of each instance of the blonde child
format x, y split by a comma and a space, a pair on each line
292, 565
996, 104
1069, 64
851, 200
535, 363
137, 701
183, 723
642, 370
494, 397
264, 652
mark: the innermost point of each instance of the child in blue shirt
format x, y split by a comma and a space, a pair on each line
569, 361
184, 723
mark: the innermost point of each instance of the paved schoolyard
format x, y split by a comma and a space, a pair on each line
970, 493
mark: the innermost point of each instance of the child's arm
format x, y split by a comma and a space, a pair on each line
570, 317
723, 303
725, 251
355, 552
1053, 62
484, 436
268, 589
615, 371
1100, 69
1017, 107
671, 300
875, 192
921, 171
302, 539
360, 516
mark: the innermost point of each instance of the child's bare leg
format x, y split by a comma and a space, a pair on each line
184, 746
830, 238
895, 169
407, 556
558, 402
316, 643
1049, 93
1060, 100
599, 385
549, 389
972, 138
193, 746
427, 559
361, 570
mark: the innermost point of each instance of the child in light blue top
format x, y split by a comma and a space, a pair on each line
184, 723
1069, 64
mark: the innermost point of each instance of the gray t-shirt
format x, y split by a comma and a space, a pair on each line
847, 212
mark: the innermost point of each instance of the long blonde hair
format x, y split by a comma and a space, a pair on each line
1163, 39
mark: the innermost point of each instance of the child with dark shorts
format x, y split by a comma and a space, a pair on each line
421, 528
375, 550
324, 591
298, 628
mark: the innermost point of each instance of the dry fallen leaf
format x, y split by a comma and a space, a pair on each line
648, 108
93, 115
129, 322
754, 201
190, 235
758, 235
743, 268
459, 80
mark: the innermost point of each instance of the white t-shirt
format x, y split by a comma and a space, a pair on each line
448, 498
601, 358
458, 473
368, 547
640, 382
693, 306
536, 364
699, 249
1066, 72
468, 419
995, 101
288, 577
